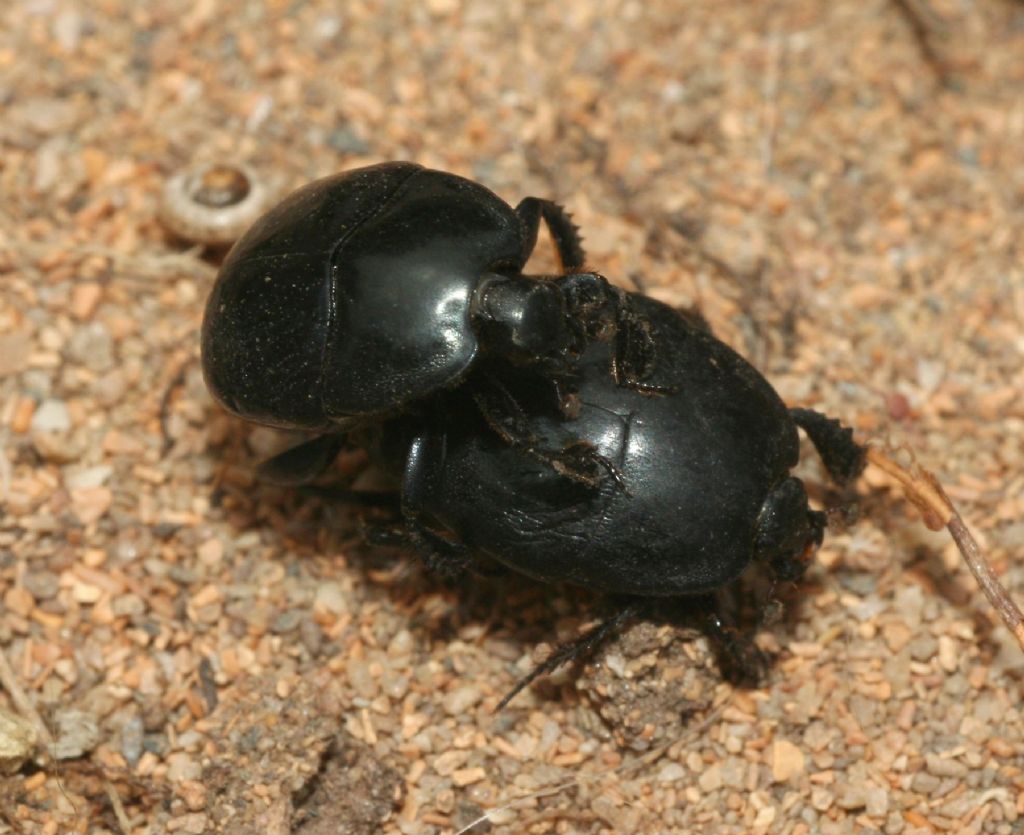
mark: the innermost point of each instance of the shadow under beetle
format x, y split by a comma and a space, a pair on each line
556, 425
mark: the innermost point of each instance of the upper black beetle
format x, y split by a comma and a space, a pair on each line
369, 290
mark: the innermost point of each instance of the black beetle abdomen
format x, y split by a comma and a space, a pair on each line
268, 316
697, 465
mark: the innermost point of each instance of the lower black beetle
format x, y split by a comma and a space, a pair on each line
653, 462
700, 485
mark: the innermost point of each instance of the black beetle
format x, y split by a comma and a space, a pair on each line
701, 486
555, 425
365, 292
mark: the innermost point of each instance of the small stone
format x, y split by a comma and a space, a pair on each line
877, 802
194, 795
671, 772
18, 739
467, 776
710, 779
821, 799
924, 783
787, 760
77, 733
91, 345
459, 701
192, 824
56, 447
181, 767
79, 479
948, 654
286, 622
19, 600
445, 764
330, 599
84, 298
851, 797
944, 766
361, 679
923, 647
91, 503
43, 585
51, 416
132, 733
15, 349
86, 593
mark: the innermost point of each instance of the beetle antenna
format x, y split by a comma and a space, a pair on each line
924, 490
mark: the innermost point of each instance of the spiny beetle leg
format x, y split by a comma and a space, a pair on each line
564, 233
843, 457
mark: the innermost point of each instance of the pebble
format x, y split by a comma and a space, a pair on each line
84, 299
924, 783
944, 766
78, 479
92, 346
191, 824
671, 772
876, 801
462, 699
787, 760
17, 741
710, 779
132, 734
91, 503
76, 732
468, 776
851, 797
42, 584
821, 799
181, 767
330, 598
52, 416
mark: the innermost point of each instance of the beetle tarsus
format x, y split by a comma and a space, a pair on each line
576, 649
576, 460
447, 559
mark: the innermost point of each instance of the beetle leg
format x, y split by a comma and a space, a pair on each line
577, 460
302, 463
843, 457
565, 233
787, 532
739, 658
445, 557
576, 648
634, 358
384, 499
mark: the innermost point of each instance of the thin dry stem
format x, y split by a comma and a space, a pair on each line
118, 807
924, 490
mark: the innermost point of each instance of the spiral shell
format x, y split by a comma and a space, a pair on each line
212, 203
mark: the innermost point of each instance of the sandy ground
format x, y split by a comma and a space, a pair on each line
839, 185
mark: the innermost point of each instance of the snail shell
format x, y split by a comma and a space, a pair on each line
212, 203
